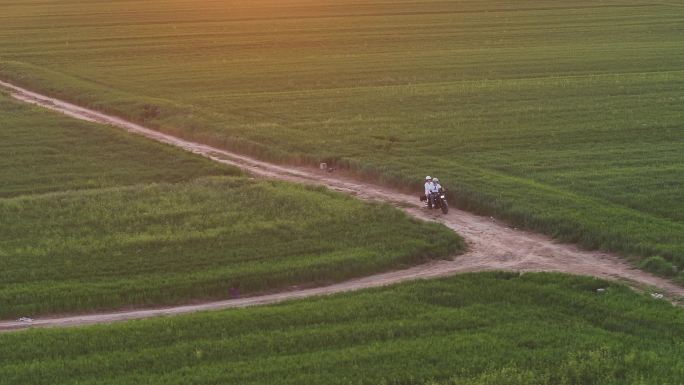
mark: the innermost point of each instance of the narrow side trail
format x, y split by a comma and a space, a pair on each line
492, 245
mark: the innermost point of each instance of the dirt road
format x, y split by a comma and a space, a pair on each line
492, 245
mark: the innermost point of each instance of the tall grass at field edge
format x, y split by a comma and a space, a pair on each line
490, 328
167, 243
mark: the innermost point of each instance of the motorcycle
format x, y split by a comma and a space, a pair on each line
437, 200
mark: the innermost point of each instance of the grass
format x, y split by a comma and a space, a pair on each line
169, 243
559, 116
44, 153
485, 328
93, 218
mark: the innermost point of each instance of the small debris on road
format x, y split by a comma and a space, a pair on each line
656, 295
25, 319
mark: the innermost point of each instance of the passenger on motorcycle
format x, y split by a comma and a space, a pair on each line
428, 191
428, 185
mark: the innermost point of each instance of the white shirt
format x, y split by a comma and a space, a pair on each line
429, 187
436, 187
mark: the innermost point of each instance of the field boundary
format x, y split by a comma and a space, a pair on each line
492, 245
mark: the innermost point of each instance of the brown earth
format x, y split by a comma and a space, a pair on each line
492, 245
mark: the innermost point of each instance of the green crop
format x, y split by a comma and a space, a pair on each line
44, 152
167, 243
94, 218
560, 116
481, 329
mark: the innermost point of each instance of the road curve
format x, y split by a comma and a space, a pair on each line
492, 245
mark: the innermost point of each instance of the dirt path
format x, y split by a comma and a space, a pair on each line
493, 246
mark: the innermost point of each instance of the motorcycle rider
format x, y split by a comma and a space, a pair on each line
437, 185
435, 189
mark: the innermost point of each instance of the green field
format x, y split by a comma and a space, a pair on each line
94, 218
44, 152
475, 329
561, 116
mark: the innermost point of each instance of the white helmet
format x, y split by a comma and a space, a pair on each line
428, 177
435, 180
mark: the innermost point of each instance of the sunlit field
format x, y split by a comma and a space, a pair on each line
94, 218
560, 116
475, 329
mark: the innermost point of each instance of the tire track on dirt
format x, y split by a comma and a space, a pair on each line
492, 245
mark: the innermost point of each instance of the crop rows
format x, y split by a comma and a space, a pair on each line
560, 116
487, 328
92, 218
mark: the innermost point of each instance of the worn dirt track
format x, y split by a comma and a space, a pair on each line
492, 245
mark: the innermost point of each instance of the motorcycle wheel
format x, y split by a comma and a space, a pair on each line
445, 207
